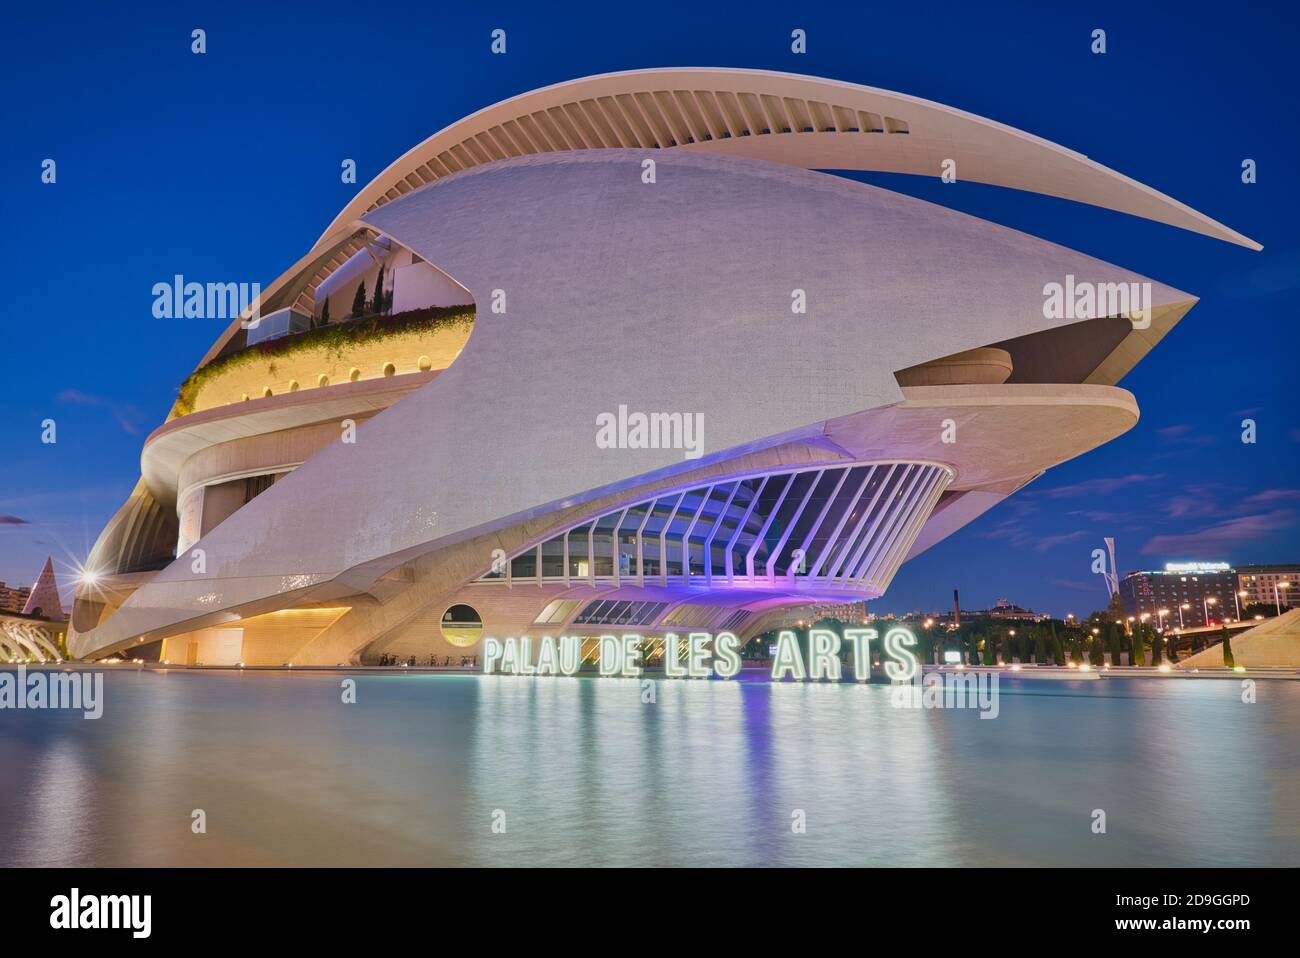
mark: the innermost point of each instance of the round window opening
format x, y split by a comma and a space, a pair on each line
462, 626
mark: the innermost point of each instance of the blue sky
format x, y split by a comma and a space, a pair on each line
226, 166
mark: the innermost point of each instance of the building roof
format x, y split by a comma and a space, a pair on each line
786, 118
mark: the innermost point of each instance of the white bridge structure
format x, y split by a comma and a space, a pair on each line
26, 639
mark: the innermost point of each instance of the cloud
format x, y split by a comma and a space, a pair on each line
1194, 501
1267, 496
1014, 533
1045, 543
1223, 535
1093, 487
1096, 515
13, 521
1077, 586
1011, 531
127, 416
1182, 435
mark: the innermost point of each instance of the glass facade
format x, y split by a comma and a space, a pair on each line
844, 526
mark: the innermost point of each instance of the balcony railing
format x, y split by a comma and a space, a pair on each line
283, 322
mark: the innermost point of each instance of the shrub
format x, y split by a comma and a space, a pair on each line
1095, 654
337, 337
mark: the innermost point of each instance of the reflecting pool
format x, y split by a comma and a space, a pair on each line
586, 771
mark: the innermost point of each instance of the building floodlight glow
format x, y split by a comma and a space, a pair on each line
1197, 567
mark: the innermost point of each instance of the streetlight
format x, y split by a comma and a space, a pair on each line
1284, 585
1185, 605
1236, 599
1206, 603
1162, 613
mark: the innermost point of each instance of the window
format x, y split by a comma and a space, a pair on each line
461, 625
254, 486
614, 612
556, 612
734, 621
847, 523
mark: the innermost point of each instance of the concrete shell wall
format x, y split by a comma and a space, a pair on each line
672, 296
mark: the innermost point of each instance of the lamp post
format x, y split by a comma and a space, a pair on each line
1161, 618
1276, 598
1205, 604
1185, 605
1236, 599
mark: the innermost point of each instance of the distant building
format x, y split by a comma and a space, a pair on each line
1003, 609
44, 600
1182, 593
13, 598
850, 613
1260, 581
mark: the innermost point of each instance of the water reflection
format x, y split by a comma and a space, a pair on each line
616, 772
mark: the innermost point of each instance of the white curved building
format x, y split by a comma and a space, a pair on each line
839, 376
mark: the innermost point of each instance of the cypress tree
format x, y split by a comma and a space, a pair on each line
1139, 648
378, 305
1228, 661
359, 300
1156, 648
1058, 650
